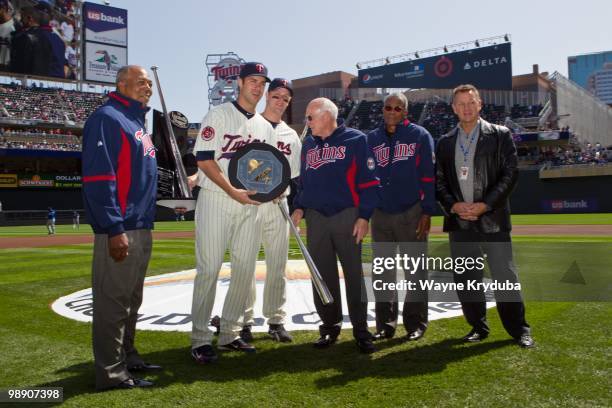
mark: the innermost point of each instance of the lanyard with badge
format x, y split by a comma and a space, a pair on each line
464, 170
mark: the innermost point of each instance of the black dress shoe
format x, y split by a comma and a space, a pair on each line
474, 337
144, 367
133, 383
383, 334
415, 335
526, 341
324, 341
366, 346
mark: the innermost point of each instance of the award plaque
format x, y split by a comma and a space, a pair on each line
260, 167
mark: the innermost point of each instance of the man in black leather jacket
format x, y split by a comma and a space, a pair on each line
475, 175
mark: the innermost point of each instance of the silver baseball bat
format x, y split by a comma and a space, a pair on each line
317, 279
183, 185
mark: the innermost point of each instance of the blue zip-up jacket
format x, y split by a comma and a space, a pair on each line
404, 165
336, 173
119, 168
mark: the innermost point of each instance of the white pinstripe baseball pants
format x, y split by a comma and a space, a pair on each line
222, 222
275, 238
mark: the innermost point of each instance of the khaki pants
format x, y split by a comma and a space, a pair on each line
117, 295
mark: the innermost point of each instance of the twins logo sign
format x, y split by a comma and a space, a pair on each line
318, 157
147, 145
401, 151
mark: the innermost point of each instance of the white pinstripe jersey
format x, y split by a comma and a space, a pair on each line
225, 129
288, 142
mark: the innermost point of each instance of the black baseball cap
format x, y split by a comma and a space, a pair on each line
254, 69
281, 83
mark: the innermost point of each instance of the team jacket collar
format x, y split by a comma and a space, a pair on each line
130, 104
331, 137
403, 123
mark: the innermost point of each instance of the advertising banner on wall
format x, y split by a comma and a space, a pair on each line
8, 180
105, 24
43, 180
486, 68
574, 205
102, 61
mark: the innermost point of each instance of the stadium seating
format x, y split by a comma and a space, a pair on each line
48, 104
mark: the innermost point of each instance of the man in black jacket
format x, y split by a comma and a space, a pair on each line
30, 50
476, 173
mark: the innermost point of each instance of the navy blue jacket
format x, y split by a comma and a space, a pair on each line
404, 165
338, 172
119, 168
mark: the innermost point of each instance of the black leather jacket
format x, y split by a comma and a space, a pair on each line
495, 175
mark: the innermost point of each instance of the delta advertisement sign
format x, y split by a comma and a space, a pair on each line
105, 24
486, 68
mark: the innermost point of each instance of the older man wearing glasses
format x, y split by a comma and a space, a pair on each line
337, 193
405, 167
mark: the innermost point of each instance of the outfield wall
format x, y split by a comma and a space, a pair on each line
532, 196
561, 195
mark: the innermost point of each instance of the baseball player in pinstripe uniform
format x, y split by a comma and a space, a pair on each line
275, 228
226, 215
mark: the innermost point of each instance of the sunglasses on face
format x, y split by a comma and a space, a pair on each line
396, 108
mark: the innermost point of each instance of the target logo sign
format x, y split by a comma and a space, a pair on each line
443, 67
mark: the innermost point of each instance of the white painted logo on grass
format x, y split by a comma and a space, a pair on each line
166, 302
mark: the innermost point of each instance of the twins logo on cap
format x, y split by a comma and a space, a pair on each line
259, 67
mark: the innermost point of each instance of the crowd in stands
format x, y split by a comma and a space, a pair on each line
439, 117
38, 38
529, 111
48, 104
39, 139
563, 156
369, 114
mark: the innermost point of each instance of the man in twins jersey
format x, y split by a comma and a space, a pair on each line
404, 164
226, 216
119, 191
337, 194
275, 229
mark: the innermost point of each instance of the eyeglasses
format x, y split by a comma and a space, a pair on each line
391, 108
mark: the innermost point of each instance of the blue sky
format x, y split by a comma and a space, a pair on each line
298, 39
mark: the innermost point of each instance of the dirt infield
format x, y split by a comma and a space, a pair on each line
60, 240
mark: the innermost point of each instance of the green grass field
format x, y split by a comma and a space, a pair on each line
540, 219
569, 367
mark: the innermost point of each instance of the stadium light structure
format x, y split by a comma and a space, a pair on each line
480, 42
